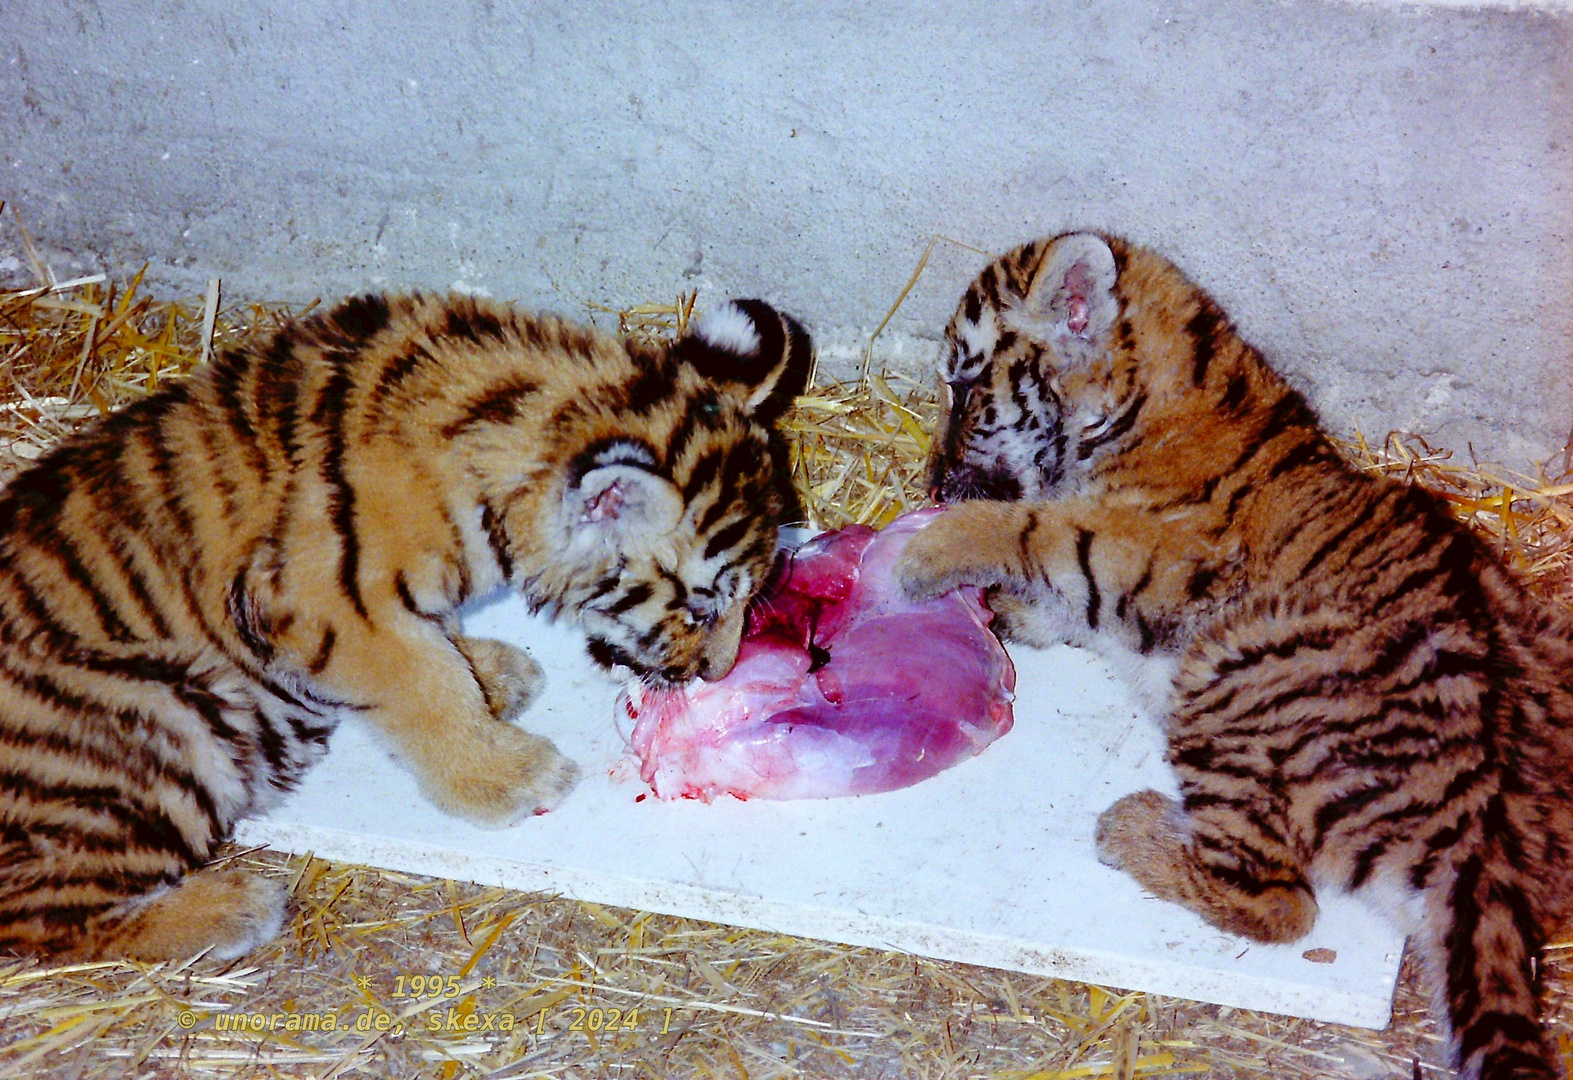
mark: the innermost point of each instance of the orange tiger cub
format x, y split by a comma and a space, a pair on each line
193, 592
1359, 696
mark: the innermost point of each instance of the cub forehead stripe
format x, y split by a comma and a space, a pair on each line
727, 536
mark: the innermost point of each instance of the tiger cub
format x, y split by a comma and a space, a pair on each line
1359, 695
192, 592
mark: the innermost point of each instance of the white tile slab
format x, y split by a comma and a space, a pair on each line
990, 863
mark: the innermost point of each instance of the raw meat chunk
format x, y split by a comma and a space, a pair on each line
842, 687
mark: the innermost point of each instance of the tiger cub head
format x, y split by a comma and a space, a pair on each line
1048, 361
671, 521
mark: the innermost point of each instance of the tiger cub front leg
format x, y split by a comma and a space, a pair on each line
444, 702
1078, 565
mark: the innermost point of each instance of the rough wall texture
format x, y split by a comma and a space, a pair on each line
1381, 195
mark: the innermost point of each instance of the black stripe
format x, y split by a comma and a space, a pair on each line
679, 590
360, 318
44, 629
329, 415
607, 582
608, 655
705, 470
276, 392
161, 466
227, 377
635, 596
467, 321
1236, 497
246, 663
220, 473
460, 560
397, 370
319, 662
55, 544
1203, 329
497, 404
136, 583
407, 598
1137, 589
251, 626
1336, 540
703, 410
1234, 392
744, 462
972, 304
988, 282
1308, 452
1084, 560
497, 539
1024, 542
118, 803
1148, 638
1336, 810
727, 536
653, 383
1512, 1059
1365, 862
117, 806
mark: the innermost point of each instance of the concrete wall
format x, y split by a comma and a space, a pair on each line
1382, 195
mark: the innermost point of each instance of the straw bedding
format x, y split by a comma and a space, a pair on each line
387, 974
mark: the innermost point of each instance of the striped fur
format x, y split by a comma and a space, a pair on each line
193, 592
1359, 696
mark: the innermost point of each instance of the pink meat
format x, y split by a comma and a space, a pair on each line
842, 687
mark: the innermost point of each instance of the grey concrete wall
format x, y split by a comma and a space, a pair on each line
1382, 195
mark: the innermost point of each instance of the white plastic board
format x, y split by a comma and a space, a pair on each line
989, 863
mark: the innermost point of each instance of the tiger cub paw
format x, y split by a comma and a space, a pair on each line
1141, 835
225, 912
514, 776
932, 564
509, 677
255, 917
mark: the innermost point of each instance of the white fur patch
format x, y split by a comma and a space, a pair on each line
728, 327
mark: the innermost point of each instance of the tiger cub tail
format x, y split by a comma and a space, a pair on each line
1482, 939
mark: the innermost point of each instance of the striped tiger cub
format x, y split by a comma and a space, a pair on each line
192, 592
1359, 696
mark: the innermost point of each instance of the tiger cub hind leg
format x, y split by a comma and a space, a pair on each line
1247, 886
225, 913
131, 901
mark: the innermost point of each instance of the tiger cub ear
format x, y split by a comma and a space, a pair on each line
761, 354
615, 498
1071, 303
